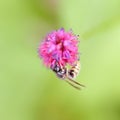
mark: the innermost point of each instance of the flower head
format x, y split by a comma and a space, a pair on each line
60, 46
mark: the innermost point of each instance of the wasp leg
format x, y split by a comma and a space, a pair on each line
76, 82
78, 88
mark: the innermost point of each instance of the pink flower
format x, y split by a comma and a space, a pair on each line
60, 46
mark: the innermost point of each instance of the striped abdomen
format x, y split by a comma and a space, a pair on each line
74, 71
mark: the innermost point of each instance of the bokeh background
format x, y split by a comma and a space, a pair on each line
29, 91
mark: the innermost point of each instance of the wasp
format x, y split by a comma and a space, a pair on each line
68, 74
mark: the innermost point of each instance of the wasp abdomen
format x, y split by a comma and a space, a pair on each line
74, 71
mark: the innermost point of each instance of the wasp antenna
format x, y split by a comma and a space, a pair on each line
78, 88
76, 82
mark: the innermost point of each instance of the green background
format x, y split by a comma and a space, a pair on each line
30, 91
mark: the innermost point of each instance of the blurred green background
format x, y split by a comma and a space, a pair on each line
29, 91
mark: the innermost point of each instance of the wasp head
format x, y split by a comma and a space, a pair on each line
59, 70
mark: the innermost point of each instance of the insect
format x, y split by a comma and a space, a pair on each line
74, 71
68, 74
